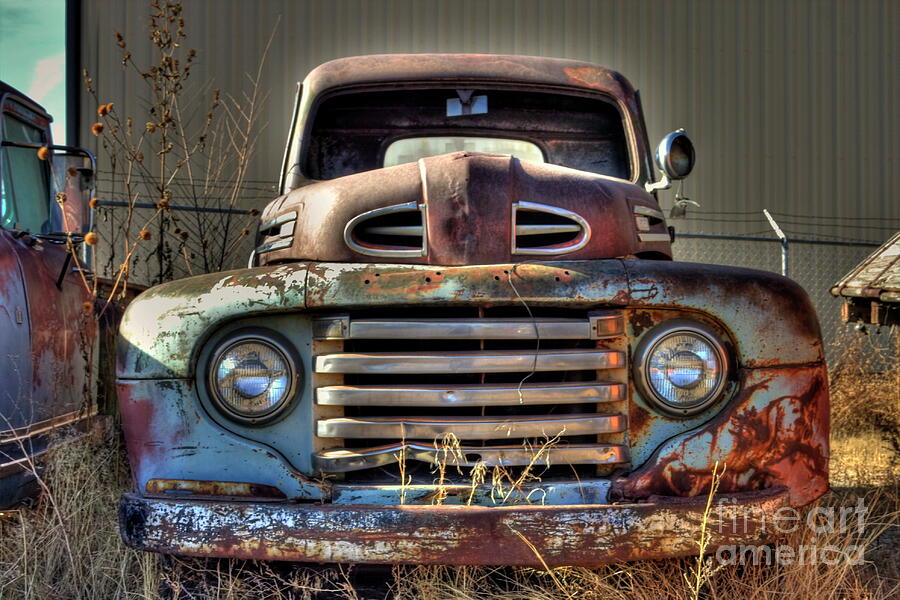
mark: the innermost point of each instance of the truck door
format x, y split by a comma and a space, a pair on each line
15, 343
61, 331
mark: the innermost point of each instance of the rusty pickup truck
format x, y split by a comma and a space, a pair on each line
462, 339
48, 333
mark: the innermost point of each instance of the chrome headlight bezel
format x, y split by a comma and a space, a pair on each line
287, 354
652, 340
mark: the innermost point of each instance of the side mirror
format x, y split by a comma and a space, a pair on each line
73, 175
675, 155
675, 158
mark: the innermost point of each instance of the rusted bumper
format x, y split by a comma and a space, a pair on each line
461, 535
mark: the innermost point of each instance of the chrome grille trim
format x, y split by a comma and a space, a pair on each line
470, 428
468, 362
392, 385
578, 223
401, 230
545, 229
288, 217
386, 251
343, 460
274, 239
655, 237
640, 209
597, 326
470, 395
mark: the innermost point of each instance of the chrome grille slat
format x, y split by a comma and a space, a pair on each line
655, 237
343, 460
470, 395
597, 326
401, 230
450, 329
468, 362
470, 428
545, 229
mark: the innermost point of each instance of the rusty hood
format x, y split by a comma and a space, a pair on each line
467, 201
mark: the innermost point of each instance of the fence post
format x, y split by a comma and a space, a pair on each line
784, 242
784, 256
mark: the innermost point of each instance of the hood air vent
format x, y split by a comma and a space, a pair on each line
393, 231
543, 229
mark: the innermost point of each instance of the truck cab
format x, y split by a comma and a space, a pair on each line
47, 336
462, 339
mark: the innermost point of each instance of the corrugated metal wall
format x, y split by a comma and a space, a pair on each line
791, 104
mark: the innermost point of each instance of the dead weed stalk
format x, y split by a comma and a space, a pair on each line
177, 173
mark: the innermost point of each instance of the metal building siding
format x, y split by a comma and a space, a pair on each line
791, 104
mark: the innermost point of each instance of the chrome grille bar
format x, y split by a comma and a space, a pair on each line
545, 229
470, 428
468, 362
506, 329
469, 395
601, 324
343, 460
400, 230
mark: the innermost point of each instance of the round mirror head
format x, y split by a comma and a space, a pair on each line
675, 155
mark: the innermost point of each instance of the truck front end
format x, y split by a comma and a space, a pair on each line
465, 342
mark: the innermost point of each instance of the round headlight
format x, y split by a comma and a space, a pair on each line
252, 378
681, 367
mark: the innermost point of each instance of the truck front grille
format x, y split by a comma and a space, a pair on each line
392, 231
392, 389
543, 229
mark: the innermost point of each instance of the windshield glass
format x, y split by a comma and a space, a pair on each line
412, 149
357, 131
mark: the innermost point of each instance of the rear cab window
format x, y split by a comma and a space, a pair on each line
355, 131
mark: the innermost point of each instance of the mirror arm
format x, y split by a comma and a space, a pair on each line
662, 184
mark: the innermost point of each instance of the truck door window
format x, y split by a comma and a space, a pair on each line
410, 150
24, 191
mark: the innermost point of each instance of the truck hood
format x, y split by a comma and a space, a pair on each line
461, 209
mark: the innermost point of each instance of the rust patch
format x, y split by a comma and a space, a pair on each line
141, 442
639, 419
782, 443
587, 535
222, 490
641, 321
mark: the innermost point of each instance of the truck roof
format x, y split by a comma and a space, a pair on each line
5, 89
397, 68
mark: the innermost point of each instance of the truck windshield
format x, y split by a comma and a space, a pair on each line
410, 150
359, 131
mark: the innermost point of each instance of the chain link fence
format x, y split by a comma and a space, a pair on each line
813, 263
200, 231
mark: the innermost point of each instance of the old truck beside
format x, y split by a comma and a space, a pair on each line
48, 338
462, 339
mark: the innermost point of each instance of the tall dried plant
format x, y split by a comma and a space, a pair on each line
180, 174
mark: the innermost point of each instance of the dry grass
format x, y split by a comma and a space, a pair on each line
67, 546
865, 390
